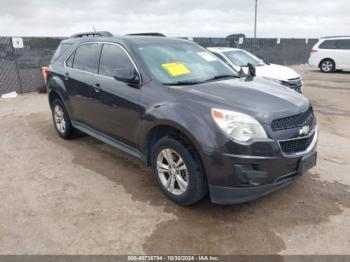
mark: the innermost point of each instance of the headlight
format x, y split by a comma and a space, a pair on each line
238, 126
274, 80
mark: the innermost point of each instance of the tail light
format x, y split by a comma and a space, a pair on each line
313, 50
45, 72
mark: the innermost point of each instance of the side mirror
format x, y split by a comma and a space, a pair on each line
251, 70
127, 75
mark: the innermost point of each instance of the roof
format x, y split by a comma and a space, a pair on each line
125, 39
335, 37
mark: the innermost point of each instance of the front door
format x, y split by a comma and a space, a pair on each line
116, 105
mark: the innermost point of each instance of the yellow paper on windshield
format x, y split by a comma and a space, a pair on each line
176, 69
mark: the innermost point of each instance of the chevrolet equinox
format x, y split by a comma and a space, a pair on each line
199, 125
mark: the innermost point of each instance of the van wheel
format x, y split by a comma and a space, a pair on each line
61, 120
327, 65
177, 172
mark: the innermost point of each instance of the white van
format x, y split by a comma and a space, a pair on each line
331, 53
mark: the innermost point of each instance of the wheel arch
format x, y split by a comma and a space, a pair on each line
179, 133
52, 96
327, 58
57, 89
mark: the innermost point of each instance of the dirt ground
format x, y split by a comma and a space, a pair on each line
85, 197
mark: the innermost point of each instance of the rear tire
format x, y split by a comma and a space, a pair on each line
62, 121
178, 172
327, 65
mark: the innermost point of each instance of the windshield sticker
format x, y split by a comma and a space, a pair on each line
176, 69
208, 57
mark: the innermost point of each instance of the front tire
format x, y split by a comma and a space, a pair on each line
61, 120
178, 172
327, 65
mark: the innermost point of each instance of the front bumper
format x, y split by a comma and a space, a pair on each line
229, 195
254, 176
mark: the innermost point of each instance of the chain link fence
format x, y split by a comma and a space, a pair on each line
20, 68
284, 51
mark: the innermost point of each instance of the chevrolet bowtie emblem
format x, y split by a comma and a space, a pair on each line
304, 131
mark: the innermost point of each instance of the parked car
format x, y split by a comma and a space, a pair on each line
331, 53
174, 105
239, 58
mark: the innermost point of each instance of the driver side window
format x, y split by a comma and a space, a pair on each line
113, 57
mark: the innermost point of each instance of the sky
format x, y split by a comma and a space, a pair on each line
189, 18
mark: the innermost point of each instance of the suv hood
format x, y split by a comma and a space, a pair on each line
259, 98
275, 72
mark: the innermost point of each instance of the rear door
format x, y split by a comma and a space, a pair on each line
331, 49
81, 75
344, 59
116, 105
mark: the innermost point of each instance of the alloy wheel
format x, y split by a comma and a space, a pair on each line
327, 66
172, 171
59, 119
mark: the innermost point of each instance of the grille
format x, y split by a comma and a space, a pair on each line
294, 83
306, 118
296, 145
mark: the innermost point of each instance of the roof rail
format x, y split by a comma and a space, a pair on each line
149, 34
92, 34
334, 36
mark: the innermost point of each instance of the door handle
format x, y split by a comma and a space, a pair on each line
66, 76
97, 88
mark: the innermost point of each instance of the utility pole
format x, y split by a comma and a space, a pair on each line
256, 13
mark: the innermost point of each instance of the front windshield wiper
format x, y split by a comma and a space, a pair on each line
217, 77
192, 82
184, 82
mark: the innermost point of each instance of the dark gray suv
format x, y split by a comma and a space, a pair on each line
184, 112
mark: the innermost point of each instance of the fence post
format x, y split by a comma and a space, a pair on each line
17, 69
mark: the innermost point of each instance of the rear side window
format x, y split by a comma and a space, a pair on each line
60, 51
113, 58
70, 60
345, 44
330, 44
86, 57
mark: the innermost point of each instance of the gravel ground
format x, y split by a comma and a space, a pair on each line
85, 197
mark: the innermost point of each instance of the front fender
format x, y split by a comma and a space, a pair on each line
196, 125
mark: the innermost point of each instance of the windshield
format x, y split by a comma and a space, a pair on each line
242, 58
182, 63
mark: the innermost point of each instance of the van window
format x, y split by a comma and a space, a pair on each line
112, 58
60, 51
329, 44
86, 57
345, 44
